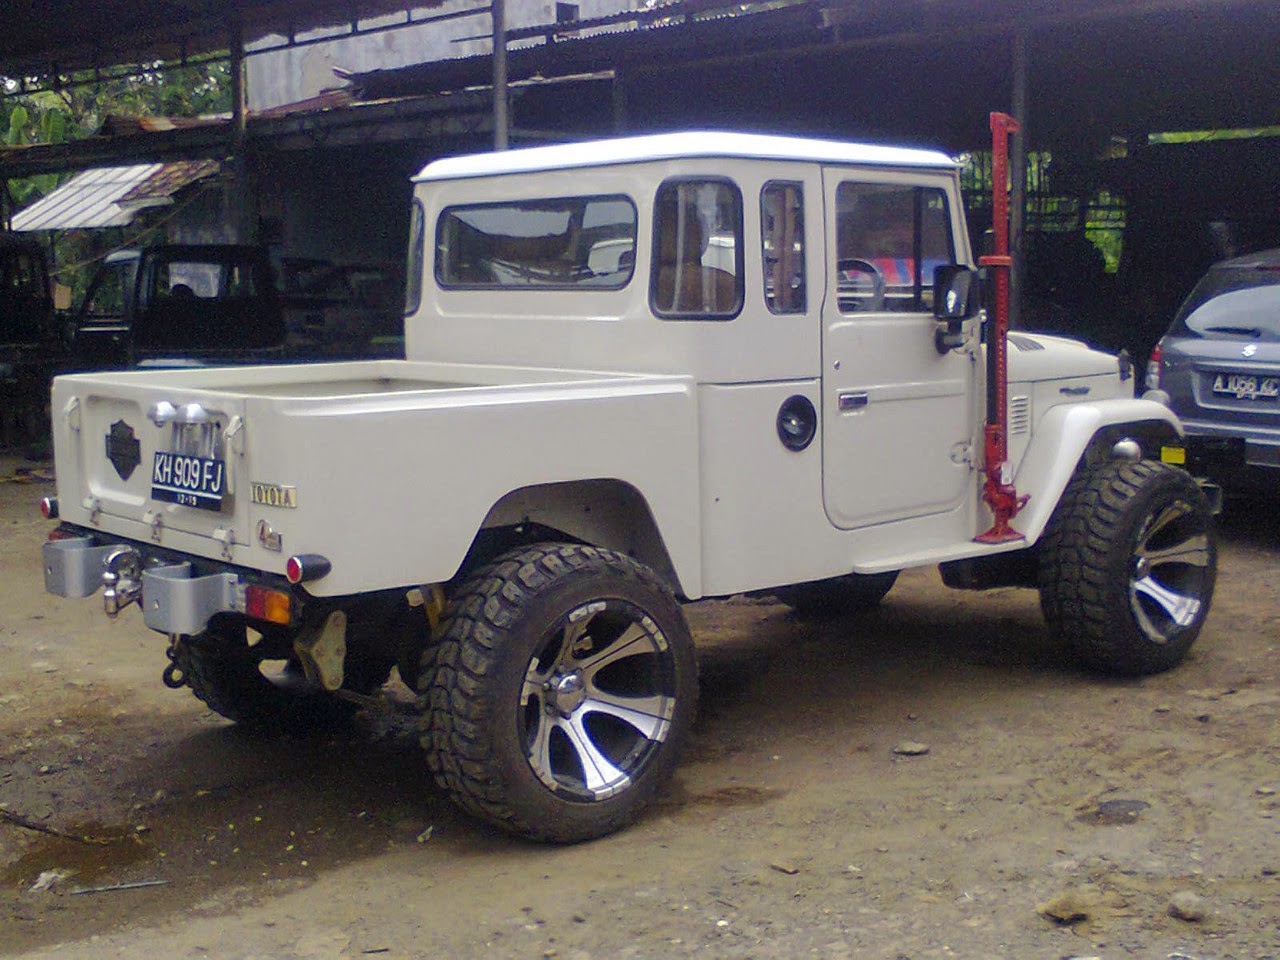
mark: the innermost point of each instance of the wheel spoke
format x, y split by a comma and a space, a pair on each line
1193, 551
1180, 608
573, 632
650, 716
624, 646
1166, 517
602, 778
539, 750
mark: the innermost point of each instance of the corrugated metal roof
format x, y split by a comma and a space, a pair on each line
109, 196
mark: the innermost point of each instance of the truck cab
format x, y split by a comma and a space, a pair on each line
176, 304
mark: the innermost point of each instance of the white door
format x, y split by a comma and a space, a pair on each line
897, 417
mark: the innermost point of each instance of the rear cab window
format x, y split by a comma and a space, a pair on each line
560, 243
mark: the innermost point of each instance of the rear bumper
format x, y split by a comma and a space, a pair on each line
1237, 463
175, 598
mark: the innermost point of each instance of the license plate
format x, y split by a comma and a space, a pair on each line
1246, 386
189, 481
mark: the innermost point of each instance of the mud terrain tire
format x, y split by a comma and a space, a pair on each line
561, 692
1127, 567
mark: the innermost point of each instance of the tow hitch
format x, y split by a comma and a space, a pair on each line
122, 579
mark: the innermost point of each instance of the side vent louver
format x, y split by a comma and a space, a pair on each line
1019, 415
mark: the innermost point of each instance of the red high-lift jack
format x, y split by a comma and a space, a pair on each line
999, 495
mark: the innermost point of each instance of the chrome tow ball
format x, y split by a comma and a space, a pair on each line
121, 578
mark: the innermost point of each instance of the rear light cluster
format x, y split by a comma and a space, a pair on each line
263, 603
1153, 367
49, 508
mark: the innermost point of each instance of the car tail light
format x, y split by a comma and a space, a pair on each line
1153, 367
263, 603
49, 508
57, 533
306, 566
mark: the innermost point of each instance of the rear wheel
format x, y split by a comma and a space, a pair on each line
560, 693
226, 674
1128, 565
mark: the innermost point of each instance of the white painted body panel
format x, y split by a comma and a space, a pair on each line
509, 394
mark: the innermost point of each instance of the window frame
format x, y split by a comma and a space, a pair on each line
739, 255
920, 283
443, 216
416, 258
804, 252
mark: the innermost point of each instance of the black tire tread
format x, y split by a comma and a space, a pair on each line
1078, 574
223, 674
457, 671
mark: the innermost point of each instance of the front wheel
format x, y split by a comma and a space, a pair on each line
1128, 565
560, 693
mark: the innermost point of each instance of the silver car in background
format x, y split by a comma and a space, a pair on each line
1219, 364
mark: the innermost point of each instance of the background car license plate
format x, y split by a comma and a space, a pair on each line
1246, 387
189, 481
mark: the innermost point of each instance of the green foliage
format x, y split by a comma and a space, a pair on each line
79, 109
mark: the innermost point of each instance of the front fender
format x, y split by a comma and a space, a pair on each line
1062, 437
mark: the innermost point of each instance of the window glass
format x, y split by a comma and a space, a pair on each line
889, 240
697, 256
782, 236
413, 275
570, 242
114, 284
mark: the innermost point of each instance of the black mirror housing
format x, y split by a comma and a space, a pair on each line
955, 292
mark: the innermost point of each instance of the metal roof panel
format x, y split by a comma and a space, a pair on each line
87, 200
670, 146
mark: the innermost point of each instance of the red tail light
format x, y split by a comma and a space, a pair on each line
1153, 367
306, 566
49, 508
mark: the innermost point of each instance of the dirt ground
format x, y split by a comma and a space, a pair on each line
1144, 812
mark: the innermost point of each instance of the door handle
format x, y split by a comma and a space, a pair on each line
852, 400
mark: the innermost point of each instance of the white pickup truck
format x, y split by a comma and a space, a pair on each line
640, 372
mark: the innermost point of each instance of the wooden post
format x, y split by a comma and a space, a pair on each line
243, 205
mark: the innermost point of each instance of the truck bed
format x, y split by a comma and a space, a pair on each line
353, 460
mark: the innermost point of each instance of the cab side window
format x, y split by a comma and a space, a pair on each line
889, 240
782, 239
697, 250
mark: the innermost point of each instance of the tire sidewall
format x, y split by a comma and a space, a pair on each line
545, 811
1165, 489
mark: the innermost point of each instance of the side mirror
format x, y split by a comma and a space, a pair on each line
955, 299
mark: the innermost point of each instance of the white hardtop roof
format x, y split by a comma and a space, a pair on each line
670, 146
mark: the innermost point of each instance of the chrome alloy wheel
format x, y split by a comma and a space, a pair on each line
598, 700
1171, 571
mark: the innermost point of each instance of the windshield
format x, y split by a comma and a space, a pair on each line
1243, 302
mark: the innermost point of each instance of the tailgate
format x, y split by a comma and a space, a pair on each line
149, 460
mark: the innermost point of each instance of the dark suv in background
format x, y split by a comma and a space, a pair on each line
1219, 363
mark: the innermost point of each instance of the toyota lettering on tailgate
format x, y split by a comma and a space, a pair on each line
189, 481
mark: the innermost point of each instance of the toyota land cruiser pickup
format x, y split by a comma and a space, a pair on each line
639, 372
